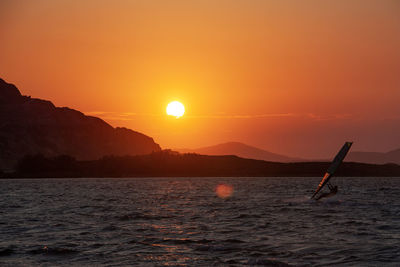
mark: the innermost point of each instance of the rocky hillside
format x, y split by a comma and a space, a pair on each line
32, 126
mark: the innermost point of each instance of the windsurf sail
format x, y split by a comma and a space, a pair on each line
334, 166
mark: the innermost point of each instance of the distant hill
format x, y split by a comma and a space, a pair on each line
32, 126
375, 157
241, 150
172, 164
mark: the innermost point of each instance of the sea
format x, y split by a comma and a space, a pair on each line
199, 222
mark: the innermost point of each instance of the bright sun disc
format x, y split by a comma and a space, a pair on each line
176, 109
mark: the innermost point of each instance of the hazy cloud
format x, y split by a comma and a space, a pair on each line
127, 116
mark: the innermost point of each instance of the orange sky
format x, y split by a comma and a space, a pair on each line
294, 77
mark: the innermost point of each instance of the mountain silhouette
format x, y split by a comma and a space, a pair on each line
375, 157
35, 126
168, 163
241, 150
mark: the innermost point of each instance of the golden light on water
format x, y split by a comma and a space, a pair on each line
224, 190
176, 109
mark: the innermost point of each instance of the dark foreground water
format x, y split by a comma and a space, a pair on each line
181, 221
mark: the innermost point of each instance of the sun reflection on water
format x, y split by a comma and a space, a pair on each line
224, 190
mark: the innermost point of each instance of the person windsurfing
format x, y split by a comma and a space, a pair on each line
332, 191
330, 172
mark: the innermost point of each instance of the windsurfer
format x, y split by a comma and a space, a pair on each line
332, 191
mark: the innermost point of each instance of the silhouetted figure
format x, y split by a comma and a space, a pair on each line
332, 191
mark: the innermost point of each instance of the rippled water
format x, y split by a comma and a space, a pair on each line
181, 221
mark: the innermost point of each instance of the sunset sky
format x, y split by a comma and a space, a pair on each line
292, 77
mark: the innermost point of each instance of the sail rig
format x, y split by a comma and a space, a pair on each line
334, 166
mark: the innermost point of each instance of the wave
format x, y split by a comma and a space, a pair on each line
53, 251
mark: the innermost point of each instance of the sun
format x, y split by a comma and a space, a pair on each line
175, 108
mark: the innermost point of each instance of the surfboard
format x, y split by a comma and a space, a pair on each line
333, 167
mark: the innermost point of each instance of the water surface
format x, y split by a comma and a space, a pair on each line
181, 222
